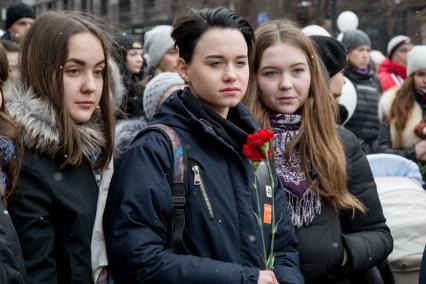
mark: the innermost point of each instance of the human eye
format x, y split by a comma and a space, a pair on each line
215, 64
242, 63
99, 73
73, 71
298, 71
270, 73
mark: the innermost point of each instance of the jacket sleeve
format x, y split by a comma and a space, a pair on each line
366, 236
385, 144
30, 210
286, 265
136, 221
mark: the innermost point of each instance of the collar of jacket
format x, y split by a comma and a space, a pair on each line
38, 121
389, 66
183, 110
355, 76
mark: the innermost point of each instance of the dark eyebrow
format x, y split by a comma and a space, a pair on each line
80, 62
221, 56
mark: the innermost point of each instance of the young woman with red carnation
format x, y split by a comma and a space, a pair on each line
330, 190
221, 238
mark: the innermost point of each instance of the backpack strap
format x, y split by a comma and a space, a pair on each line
179, 187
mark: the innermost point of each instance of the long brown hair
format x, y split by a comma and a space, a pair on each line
9, 130
317, 140
44, 52
402, 108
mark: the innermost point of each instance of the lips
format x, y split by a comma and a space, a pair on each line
85, 104
286, 98
230, 89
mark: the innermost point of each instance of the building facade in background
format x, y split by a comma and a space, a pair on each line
380, 19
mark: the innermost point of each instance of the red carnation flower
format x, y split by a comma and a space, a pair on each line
260, 137
256, 142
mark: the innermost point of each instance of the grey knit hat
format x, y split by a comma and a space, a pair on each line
156, 43
353, 39
416, 59
155, 90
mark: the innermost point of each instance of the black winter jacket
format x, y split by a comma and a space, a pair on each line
53, 209
223, 243
12, 268
366, 238
365, 122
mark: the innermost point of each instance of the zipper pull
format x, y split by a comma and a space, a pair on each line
197, 177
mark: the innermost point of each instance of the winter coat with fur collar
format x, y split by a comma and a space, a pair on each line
54, 208
387, 133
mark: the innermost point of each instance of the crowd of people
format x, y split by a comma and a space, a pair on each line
125, 161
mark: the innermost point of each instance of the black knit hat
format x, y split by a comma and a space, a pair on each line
16, 12
332, 53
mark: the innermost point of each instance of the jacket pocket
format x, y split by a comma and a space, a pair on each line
198, 182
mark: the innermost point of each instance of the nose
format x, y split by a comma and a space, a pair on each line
285, 83
89, 84
230, 73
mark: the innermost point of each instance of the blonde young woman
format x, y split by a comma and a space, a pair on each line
330, 190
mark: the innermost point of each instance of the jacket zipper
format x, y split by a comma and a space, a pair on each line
199, 182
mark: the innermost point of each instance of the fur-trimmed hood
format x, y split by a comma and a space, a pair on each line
37, 119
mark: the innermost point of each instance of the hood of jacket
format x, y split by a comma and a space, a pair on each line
37, 119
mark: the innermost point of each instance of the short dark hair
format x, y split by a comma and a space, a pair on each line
189, 27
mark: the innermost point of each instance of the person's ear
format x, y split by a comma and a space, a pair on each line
182, 68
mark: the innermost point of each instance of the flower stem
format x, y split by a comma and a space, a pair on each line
274, 227
260, 224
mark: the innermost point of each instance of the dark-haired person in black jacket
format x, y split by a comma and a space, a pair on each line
221, 236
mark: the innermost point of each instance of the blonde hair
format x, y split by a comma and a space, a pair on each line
318, 142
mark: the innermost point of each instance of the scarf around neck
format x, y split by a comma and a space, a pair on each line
302, 199
420, 97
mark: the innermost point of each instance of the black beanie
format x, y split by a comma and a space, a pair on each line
16, 12
332, 53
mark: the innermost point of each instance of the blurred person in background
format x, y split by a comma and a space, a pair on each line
402, 111
392, 70
128, 55
12, 52
160, 52
155, 93
12, 267
364, 123
19, 19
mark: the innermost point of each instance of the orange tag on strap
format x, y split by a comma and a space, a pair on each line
267, 213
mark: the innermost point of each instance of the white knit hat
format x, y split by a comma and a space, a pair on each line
416, 59
395, 43
156, 43
155, 90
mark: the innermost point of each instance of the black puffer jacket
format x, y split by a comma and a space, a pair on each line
223, 240
365, 122
366, 238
